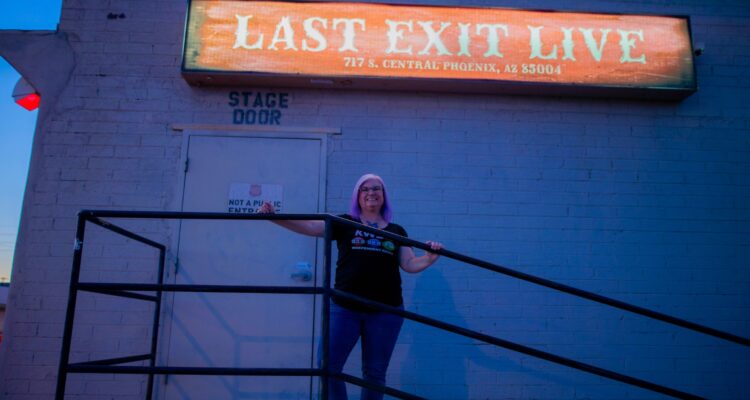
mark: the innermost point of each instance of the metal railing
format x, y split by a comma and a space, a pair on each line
128, 290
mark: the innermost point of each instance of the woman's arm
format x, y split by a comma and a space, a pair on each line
413, 264
309, 228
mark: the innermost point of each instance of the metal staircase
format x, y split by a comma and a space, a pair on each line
128, 290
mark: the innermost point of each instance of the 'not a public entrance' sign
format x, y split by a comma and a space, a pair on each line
363, 45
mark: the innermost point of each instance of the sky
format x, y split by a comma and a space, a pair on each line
17, 128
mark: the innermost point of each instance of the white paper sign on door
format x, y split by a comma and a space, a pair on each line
246, 198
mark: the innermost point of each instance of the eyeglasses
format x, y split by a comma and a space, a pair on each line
375, 189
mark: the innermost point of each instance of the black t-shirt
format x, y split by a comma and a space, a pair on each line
368, 264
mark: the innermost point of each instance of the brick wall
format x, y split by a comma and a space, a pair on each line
642, 201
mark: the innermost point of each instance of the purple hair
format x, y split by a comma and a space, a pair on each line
355, 211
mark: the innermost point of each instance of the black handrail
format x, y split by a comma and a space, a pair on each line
518, 347
126, 290
447, 253
554, 285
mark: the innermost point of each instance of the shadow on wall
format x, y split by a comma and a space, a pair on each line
443, 365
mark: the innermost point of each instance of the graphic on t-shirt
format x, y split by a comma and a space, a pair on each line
373, 243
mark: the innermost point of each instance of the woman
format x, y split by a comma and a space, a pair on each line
367, 266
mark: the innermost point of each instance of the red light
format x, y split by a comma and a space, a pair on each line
30, 101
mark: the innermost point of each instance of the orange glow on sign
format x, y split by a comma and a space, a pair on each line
444, 43
30, 101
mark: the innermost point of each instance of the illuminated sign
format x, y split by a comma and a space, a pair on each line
363, 45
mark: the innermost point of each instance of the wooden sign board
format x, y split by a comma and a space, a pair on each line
400, 47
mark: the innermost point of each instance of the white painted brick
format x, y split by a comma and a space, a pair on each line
113, 388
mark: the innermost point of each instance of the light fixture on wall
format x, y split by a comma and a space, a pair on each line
26, 96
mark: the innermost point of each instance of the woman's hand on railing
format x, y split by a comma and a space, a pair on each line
413, 264
266, 208
310, 228
432, 257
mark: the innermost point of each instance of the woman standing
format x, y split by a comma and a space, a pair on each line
367, 266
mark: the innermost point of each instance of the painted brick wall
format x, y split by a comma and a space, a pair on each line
645, 202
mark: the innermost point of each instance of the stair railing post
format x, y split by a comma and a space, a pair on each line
62, 371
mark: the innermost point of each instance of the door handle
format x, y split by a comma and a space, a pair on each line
303, 272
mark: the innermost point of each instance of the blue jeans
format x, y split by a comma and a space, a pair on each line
378, 330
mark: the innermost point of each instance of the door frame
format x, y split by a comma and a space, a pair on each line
176, 204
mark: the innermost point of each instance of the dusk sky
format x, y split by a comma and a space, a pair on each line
17, 128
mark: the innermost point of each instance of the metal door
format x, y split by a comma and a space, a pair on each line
245, 330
